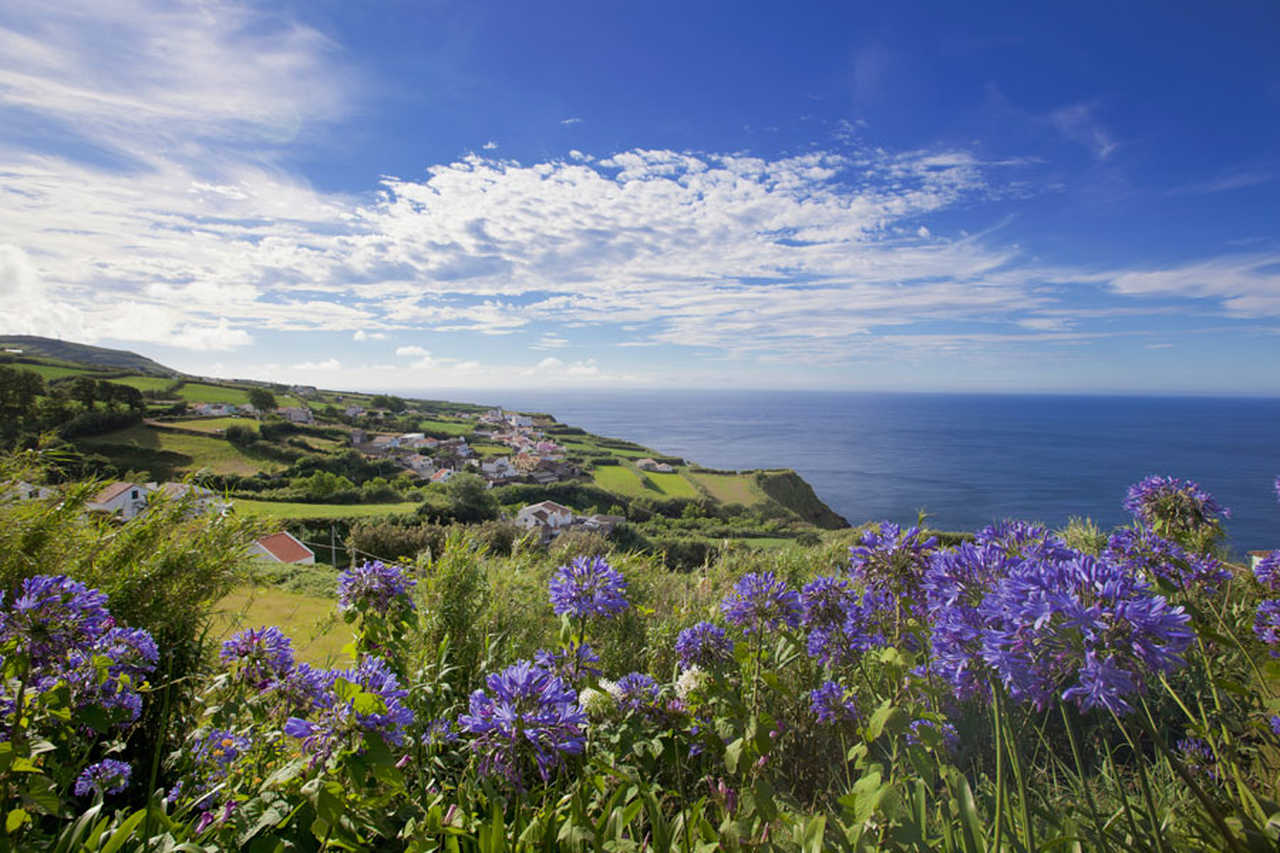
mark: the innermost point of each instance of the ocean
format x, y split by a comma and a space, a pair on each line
965, 459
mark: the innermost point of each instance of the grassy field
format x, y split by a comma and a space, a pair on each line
50, 371
282, 509
673, 485
196, 392
623, 480
451, 427
214, 454
213, 425
144, 383
318, 636
729, 488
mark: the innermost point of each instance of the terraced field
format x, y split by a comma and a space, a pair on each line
673, 485
216, 425
623, 480
729, 488
282, 509
167, 453
51, 371
144, 383
197, 392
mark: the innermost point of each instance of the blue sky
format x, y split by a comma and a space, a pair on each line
435, 195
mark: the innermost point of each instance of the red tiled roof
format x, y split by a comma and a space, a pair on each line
285, 548
112, 492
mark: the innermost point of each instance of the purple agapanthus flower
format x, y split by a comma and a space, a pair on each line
1267, 571
704, 645
831, 703
955, 585
106, 777
889, 559
1266, 624
349, 715
1198, 757
1087, 630
1177, 506
261, 656
949, 737
1156, 558
571, 663
53, 615
637, 691
219, 748
588, 586
527, 717
1024, 539
375, 587
760, 602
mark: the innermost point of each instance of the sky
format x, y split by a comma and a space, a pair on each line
413, 196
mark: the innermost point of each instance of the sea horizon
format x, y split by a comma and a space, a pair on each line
966, 458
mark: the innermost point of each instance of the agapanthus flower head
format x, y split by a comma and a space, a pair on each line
1088, 630
692, 680
832, 703
955, 584
1266, 624
1198, 757
1172, 506
637, 691
108, 776
705, 645
572, 663
588, 586
760, 602
1024, 539
261, 656
1267, 571
924, 730
825, 601
1157, 558
527, 719
343, 717
889, 559
53, 614
219, 748
375, 587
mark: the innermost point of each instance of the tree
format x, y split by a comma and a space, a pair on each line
262, 399
470, 498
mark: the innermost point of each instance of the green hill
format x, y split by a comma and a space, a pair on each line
83, 354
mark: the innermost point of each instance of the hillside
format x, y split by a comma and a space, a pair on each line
82, 354
331, 461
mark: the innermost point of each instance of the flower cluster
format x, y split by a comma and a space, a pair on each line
1198, 757
889, 559
704, 645
260, 657
1267, 571
588, 587
1086, 629
572, 663
1024, 539
1157, 559
636, 691
1266, 624
831, 703
761, 602
1173, 506
367, 699
106, 777
374, 587
60, 632
527, 716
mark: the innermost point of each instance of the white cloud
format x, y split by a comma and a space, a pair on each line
1244, 285
551, 341
412, 351
569, 121
328, 364
490, 145
1080, 123
362, 335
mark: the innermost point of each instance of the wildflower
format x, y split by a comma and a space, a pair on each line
572, 662
692, 680
1159, 559
1087, 629
106, 777
261, 656
440, 731
637, 691
375, 587
348, 713
219, 749
1266, 624
830, 703
1274, 722
527, 715
887, 559
1198, 757
761, 602
588, 587
53, 615
955, 585
1173, 506
703, 645
1268, 571
928, 732
598, 703
1024, 539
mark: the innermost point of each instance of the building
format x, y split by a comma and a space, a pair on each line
282, 547
24, 491
499, 469
203, 500
653, 465
296, 414
123, 499
548, 516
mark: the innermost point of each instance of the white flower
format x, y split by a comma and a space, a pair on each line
692, 679
596, 703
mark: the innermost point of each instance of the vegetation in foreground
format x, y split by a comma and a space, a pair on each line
1023, 691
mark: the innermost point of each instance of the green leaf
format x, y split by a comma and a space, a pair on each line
14, 820
124, 833
732, 755
880, 720
862, 801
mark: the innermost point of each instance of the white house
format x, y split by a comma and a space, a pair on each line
653, 465
24, 491
123, 499
548, 515
519, 420
282, 547
423, 466
203, 500
353, 411
295, 414
499, 469
442, 476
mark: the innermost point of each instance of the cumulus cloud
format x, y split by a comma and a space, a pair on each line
412, 351
361, 335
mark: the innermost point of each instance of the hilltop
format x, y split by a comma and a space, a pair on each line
328, 463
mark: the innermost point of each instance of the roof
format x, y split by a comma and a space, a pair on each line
285, 548
1259, 553
551, 506
112, 492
